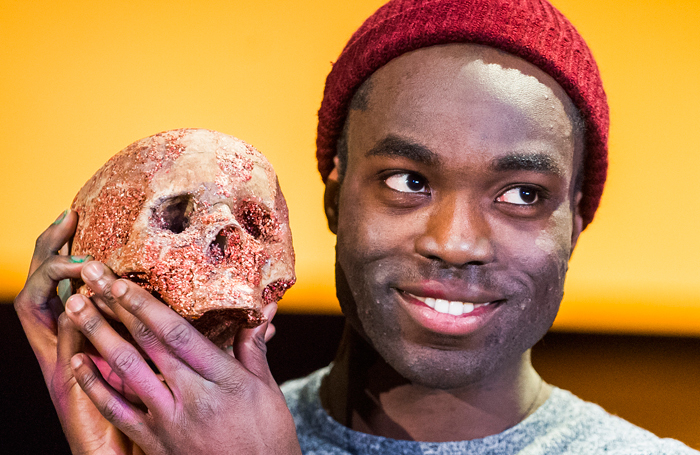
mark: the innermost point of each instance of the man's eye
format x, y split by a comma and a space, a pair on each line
407, 183
520, 195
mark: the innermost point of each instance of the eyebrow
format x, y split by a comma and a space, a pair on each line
397, 146
535, 162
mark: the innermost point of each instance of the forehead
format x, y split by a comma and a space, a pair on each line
461, 97
207, 160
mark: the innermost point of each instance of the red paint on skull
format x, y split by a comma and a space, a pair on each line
107, 225
197, 218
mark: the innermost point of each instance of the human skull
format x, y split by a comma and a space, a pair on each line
197, 218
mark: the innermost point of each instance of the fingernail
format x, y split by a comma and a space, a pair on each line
75, 303
80, 259
119, 288
93, 271
61, 217
76, 361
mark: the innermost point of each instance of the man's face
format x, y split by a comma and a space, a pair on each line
457, 198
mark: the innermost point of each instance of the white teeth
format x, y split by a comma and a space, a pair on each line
442, 306
454, 307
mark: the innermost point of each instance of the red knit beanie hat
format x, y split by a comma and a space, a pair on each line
531, 29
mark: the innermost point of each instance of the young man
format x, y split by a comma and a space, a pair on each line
463, 146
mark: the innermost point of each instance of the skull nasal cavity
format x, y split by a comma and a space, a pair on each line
218, 246
226, 246
173, 213
256, 220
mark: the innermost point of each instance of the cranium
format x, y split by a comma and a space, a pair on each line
197, 218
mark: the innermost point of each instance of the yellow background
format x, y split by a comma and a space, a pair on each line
80, 80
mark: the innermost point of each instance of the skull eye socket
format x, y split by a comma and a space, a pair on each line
255, 219
173, 214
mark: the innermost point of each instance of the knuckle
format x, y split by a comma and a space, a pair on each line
259, 342
64, 322
91, 325
88, 381
178, 336
137, 301
233, 386
142, 334
30, 306
21, 300
52, 268
102, 289
42, 245
105, 291
101, 286
125, 361
111, 410
40, 242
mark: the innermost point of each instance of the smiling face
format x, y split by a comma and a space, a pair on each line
456, 215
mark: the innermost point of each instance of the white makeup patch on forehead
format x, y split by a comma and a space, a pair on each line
537, 102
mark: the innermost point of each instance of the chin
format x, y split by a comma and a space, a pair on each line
440, 369
496, 351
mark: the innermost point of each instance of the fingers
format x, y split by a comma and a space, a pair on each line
38, 302
122, 357
38, 297
108, 402
38, 307
99, 278
175, 334
70, 342
270, 332
250, 349
41, 286
53, 238
165, 345
169, 340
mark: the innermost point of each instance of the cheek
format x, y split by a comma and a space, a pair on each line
546, 264
368, 240
365, 231
555, 239
535, 262
539, 247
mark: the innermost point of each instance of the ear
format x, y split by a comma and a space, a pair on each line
330, 199
577, 225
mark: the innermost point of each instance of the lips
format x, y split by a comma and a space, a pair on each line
443, 313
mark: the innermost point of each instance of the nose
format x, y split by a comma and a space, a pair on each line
457, 233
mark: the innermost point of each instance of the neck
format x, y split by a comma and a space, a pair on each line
366, 394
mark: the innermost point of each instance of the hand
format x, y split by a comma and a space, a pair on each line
55, 340
205, 401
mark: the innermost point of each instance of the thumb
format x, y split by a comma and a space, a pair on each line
250, 348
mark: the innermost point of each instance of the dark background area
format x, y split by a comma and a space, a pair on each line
653, 382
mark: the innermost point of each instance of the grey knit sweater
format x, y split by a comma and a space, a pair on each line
564, 424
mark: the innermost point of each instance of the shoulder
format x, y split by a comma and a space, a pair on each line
563, 425
582, 427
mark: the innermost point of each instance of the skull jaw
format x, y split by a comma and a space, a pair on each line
223, 306
219, 325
